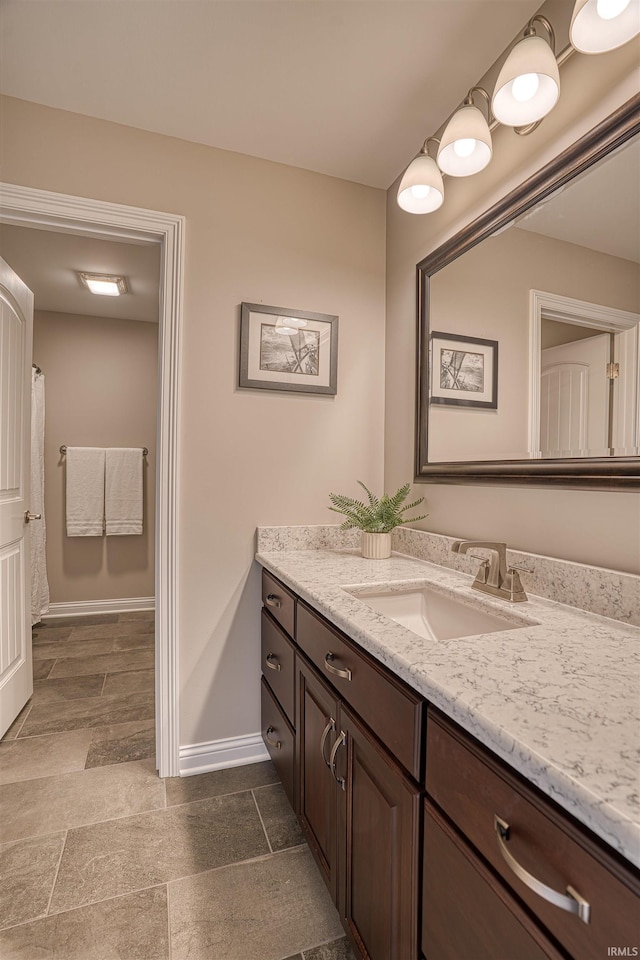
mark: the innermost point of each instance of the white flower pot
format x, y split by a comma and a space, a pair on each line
376, 546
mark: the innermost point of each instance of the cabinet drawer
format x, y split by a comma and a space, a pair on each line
279, 739
278, 660
279, 601
473, 788
391, 710
465, 910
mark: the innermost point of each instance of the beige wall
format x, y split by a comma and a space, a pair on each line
486, 293
586, 526
260, 232
100, 391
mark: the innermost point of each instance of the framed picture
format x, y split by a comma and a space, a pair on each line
282, 349
464, 371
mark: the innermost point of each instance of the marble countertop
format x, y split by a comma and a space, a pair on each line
557, 697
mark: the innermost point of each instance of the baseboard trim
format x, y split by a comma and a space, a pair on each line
84, 608
218, 754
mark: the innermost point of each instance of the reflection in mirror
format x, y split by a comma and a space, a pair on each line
558, 290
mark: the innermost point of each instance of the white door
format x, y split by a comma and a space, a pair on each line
626, 394
16, 337
574, 399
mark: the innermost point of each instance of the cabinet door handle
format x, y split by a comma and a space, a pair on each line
573, 903
273, 601
276, 744
272, 663
332, 759
336, 671
331, 725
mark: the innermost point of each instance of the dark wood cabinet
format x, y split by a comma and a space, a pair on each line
318, 801
380, 819
403, 824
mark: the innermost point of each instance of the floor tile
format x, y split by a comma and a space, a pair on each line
111, 630
15, 727
337, 950
127, 928
28, 870
92, 619
42, 669
122, 742
280, 822
252, 911
35, 757
109, 859
74, 647
142, 659
135, 681
136, 615
43, 635
67, 688
231, 780
90, 712
36, 807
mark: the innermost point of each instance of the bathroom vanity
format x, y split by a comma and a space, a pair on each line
464, 796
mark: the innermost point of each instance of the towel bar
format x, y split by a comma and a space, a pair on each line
63, 450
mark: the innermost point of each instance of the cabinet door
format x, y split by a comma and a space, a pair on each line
379, 830
316, 734
466, 912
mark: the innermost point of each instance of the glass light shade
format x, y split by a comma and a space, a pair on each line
286, 326
601, 25
421, 189
465, 147
528, 85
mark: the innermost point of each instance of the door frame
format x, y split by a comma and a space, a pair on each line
582, 314
28, 206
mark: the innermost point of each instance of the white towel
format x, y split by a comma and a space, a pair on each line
123, 491
37, 529
85, 491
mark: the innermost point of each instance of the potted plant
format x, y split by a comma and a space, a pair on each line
376, 519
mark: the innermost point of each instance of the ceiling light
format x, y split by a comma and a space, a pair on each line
528, 85
465, 147
104, 285
421, 189
601, 25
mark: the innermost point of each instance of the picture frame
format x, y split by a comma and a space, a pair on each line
289, 350
463, 371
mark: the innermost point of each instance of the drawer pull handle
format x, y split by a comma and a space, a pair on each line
336, 671
573, 903
273, 601
276, 744
332, 759
272, 663
331, 725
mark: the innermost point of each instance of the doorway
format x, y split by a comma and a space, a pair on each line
43, 210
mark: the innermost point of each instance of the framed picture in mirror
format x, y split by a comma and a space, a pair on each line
464, 371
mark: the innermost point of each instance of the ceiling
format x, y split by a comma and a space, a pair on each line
599, 210
348, 88
47, 262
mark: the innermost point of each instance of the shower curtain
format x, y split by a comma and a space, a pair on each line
37, 528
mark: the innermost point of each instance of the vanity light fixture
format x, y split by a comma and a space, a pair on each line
527, 88
421, 189
465, 147
104, 285
528, 85
598, 26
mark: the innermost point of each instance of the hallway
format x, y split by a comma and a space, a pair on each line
101, 860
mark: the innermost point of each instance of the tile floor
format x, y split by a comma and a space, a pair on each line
101, 860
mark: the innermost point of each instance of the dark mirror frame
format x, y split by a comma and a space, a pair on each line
598, 472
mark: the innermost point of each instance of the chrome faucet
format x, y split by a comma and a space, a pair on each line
494, 576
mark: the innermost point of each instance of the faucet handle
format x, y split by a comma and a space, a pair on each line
513, 585
519, 566
481, 576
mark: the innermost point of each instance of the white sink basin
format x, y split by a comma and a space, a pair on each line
437, 616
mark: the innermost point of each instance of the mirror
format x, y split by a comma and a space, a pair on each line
529, 327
